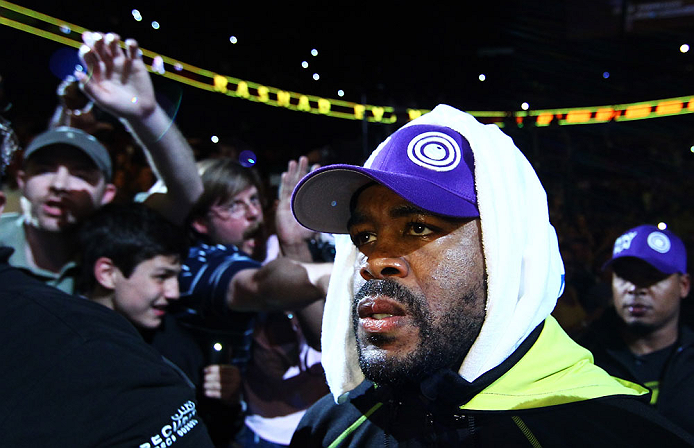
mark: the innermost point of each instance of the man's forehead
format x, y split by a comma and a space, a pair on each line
397, 206
632, 268
249, 190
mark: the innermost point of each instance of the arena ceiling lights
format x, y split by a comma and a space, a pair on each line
65, 33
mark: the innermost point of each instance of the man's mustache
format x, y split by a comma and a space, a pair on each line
253, 231
386, 288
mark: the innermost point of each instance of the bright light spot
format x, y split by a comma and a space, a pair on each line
482, 77
525, 106
65, 29
340, 93
316, 76
155, 24
304, 64
233, 39
79, 68
662, 226
178, 67
217, 346
314, 52
691, 148
214, 139
136, 15
247, 158
134, 100
605, 75
158, 65
684, 48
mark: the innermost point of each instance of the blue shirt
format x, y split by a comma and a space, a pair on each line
204, 282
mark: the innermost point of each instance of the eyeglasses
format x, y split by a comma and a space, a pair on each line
237, 208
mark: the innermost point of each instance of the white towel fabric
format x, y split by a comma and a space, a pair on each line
525, 273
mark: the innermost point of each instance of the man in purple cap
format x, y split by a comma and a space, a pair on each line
643, 339
437, 328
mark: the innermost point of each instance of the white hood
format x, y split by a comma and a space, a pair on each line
524, 269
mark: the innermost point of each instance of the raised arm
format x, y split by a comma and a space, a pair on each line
282, 284
293, 238
118, 81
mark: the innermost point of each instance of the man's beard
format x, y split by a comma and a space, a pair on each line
442, 344
640, 329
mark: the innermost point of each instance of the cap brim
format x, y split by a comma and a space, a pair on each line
664, 269
321, 201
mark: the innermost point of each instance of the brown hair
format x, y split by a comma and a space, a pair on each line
222, 179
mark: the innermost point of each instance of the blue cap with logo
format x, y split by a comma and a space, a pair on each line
661, 249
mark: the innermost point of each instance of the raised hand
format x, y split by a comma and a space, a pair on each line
289, 231
117, 78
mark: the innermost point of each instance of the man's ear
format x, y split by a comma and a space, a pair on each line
21, 178
201, 225
105, 273
685, 284
110, 191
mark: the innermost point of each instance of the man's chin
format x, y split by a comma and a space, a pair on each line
56, 225
387, 367
641, 328
49, 223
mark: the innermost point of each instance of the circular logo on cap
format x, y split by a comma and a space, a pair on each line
435, 151
659, 242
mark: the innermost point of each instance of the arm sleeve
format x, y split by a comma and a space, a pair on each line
206, 275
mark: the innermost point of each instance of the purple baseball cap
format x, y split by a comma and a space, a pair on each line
430, 166
661, 249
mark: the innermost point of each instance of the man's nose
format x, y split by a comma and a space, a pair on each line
382, 263
633, 288
252, 209
61, 179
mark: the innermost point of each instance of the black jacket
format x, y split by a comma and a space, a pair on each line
75, 373
524, 402
676, 389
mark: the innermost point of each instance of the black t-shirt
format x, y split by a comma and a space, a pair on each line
75, 373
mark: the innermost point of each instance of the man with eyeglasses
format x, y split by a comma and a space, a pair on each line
222, 305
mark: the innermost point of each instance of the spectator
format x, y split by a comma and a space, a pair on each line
437, 327
642, 338
284, 376
66, 172
222, 286
79, 375
131, 258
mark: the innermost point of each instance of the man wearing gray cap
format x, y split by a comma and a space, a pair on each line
642, 338
437, 328
66, 173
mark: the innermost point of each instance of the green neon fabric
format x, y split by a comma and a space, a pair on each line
555, 370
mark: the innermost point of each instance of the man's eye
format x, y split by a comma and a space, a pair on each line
418, 229
363, 238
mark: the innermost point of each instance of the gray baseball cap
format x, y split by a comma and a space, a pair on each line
77, 138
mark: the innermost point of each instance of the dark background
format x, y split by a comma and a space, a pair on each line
601, 179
